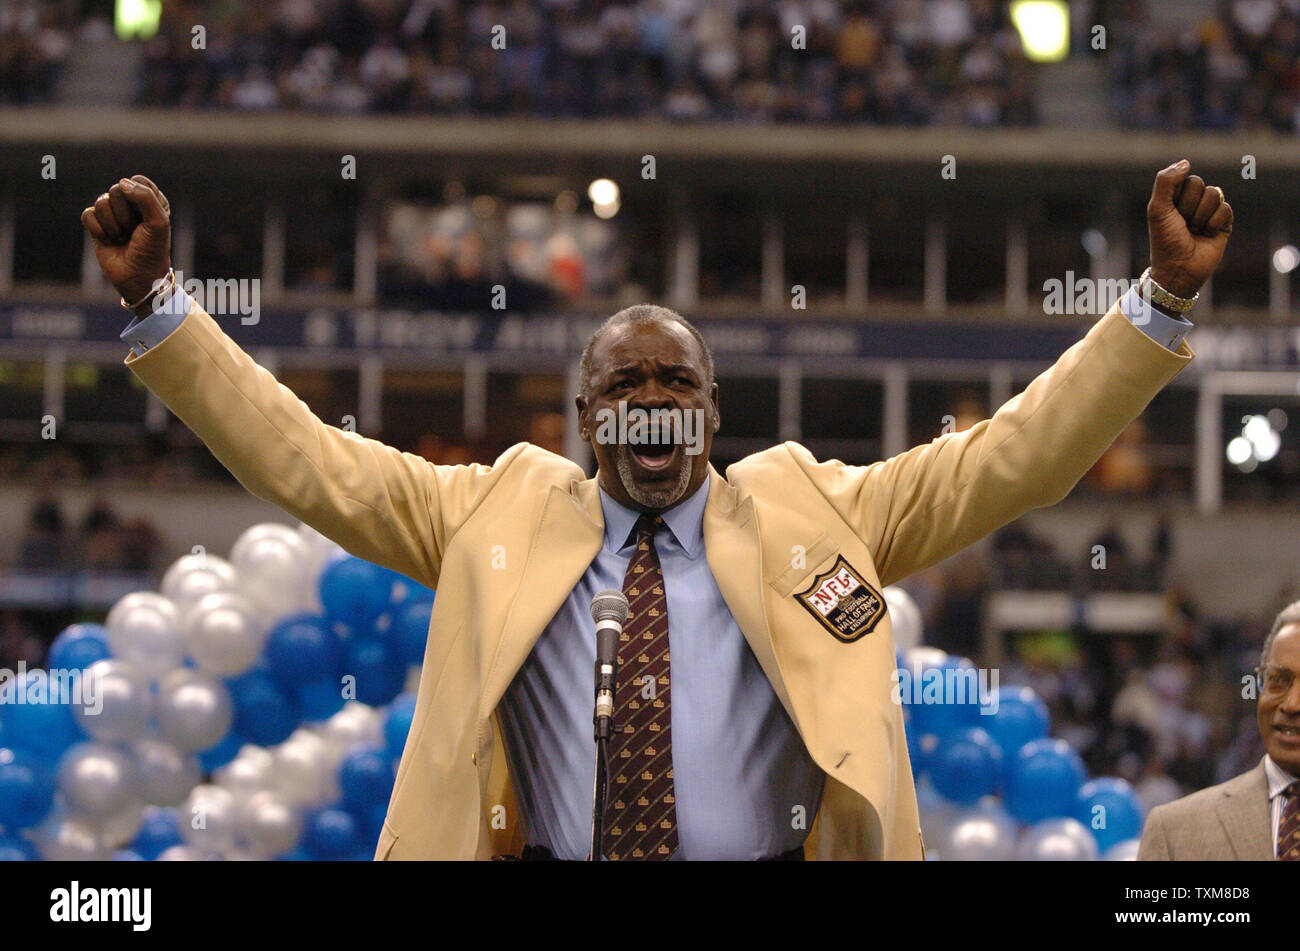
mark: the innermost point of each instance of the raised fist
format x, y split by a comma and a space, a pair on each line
1189, 223
131, 227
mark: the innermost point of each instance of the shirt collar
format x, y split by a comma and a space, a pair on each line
685, 520
1278, 778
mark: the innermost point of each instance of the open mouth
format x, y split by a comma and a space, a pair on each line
656, 453
1292, 733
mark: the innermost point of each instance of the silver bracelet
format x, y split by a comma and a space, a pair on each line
167, 282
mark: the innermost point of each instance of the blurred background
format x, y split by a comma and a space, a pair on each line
862, 204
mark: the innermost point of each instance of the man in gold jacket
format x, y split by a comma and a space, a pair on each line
782, 624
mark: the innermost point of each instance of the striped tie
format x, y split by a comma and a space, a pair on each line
641, 820
1288, 827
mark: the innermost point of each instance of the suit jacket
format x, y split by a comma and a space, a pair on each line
1225, 822
505, 544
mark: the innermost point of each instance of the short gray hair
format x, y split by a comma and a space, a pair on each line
639, 314
1288, 615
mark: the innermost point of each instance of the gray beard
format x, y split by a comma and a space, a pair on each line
653, 500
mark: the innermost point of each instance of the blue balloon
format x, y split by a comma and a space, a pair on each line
298, 854
355, 592
397, 724
78, 646
16, 849
302, 648
26, 789
263, 714
38, 714
126, 855
919, 747
379, 675
942, 698
966, 766
330, 834
218, 756
406, 591
1111, 809
321, 700
159, 831
370, 823
1021, 718
409, 632
365, 778
1043, 781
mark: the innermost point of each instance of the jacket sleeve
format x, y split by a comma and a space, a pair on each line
393, 508
930, 502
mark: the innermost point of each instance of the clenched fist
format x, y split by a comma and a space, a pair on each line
1189, 223
130, 225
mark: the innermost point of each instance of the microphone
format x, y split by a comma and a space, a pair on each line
609, 610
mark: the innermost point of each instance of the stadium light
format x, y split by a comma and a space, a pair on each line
604, 197
136, 19
1286, 258
1044, 27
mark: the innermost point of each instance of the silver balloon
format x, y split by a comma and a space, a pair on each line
224, 634
907, 624
207, 820
355, 725
116, 701
274, 565
303, 770
181, 853
194, 710
192, 577
144, 630
72, 839
119, 828
166, 774
1057, 840
978, 836
269, 825
1126, 851
97, 780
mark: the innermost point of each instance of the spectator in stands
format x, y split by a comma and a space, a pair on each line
44, 546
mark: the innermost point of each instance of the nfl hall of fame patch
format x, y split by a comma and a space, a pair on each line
844, 602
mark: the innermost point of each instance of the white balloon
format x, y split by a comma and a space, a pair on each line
322, 551
166, 774
194, 710
73, 839
907, 624
1126, 851
224, 634
116, 701
1057, 840
97, 780
208, 819
119, 828
274, 565
269, 825
144, 630
355, 725
302, 772
979, 836
181, 853
192, 577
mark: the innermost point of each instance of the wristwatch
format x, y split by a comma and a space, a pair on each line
1161, 298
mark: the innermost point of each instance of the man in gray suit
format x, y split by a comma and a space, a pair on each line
1255, 816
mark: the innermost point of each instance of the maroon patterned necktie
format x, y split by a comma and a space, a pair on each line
641, 819
1288, 827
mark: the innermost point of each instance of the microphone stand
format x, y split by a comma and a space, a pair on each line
604, 723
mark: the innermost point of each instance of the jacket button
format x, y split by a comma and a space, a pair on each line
473, 758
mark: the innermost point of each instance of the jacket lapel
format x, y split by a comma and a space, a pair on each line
565, 542
731, 547
1244, 813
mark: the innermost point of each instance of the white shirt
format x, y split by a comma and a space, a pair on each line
1278, 780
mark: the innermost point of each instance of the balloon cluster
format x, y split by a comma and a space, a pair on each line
253, 708
991, 783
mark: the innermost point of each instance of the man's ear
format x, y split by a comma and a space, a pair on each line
584, 431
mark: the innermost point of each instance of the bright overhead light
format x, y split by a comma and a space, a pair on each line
603, 192
1044, 27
